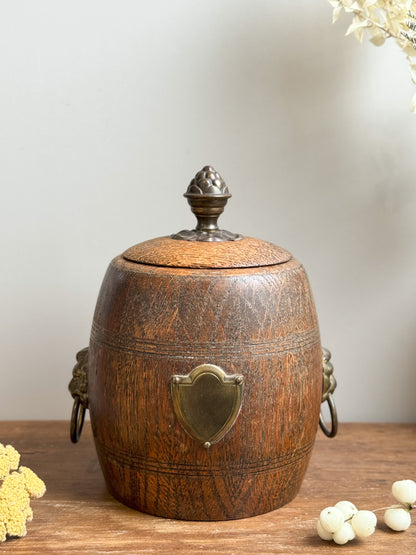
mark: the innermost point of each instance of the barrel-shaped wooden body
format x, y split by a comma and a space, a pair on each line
152, 323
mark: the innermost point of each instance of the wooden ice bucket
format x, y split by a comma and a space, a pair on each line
204, 375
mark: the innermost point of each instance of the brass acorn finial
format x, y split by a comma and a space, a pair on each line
207, 182
207, 196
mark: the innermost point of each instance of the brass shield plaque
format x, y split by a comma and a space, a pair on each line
207, 402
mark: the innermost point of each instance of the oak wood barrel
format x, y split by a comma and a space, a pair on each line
204, 372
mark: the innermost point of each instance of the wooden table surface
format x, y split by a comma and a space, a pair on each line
77, 514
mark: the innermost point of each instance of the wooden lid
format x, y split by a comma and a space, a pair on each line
247, 252
207, 246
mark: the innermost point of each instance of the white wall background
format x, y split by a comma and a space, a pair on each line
109, 108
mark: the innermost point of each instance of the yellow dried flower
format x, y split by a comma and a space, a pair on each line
17, 487
9, 460
34, 485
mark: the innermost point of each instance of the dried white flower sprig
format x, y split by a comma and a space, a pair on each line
343, 522
382, 19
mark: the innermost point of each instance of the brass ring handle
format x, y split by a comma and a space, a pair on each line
77, 420
334, 418
329, 384
78, 387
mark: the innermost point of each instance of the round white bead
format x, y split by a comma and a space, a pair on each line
347, 508
322, 533
397, 519
344, 534
364, 523
404, 491
331, 519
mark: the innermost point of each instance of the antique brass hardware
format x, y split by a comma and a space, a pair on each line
78, 387
207, 402
329, 384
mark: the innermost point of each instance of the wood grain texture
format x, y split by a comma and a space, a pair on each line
78, 515
245, 253
152, 323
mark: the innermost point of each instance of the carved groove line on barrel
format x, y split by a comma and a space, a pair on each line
126, 458
148, 347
